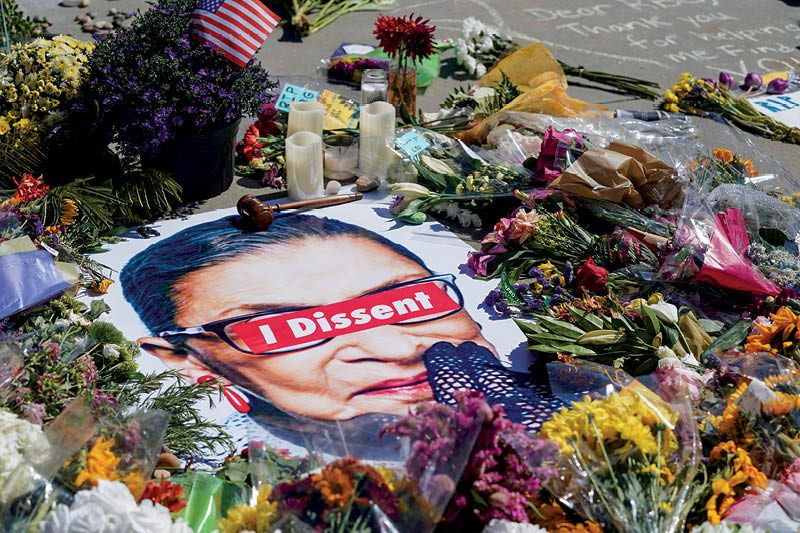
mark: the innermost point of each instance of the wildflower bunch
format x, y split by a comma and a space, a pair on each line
780, 335
722, 166
733, 476
623, 452
257, 518
480, 46
697, 96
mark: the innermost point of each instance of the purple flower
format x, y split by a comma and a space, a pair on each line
726, 80
479, 262
493, 297
752, 81
102, 399
33, 412
777, 86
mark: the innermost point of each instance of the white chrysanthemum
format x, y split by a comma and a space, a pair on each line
706, 527
17, 436
480, 70
506, 526
110, 508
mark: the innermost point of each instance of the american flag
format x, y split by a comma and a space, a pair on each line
237, 27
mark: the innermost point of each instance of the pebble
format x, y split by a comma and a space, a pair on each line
127, 23
333, 187
84, 3
70, 3
103, 25
78, 17
87, 26
161, 474
367, 184
91, 14
113, 11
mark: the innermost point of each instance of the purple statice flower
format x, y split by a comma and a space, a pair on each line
34, 412
502, 308
131, 436
567, 273
494, 296
102, 399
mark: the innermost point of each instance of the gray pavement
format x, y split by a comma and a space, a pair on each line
653, 39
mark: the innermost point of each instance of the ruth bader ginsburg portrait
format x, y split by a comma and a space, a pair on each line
316, 322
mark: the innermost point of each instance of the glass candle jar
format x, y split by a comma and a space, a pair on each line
340, 156
374, 86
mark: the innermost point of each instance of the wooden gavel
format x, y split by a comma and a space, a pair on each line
260, 216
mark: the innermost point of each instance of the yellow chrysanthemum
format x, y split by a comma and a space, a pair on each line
244, 517
101, 463
69, 211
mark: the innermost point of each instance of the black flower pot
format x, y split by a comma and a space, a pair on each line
201, 164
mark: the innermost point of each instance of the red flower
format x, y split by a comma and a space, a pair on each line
167, 493
592, 277
30, 188
410, 38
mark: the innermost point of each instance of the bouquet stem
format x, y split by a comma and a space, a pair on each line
626, 84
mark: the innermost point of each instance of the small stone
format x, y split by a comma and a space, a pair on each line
70, 3
161, 474
125, 24
367, 184
78, 18
84, 3
91, 14
103, 25
333, 187
113, 11
88, 27
168, 460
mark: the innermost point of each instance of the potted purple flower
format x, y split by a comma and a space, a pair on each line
172, 100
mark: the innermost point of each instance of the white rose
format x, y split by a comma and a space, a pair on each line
506, 526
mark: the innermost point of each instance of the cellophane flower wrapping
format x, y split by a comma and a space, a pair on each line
627, 458
355, 480
759, 413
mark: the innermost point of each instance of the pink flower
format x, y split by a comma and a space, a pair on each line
479, 262
523, 225
672, 378
556, 146
592, 277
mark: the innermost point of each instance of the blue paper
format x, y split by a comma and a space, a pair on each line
412, 144
28, 279
293, 93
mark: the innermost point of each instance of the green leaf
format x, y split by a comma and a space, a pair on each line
559, 327
651, 322
711, 326
772, 236
547, 337
735, 336
670, 336
648, 365
563, 348
586, 320
98, 308
529, 328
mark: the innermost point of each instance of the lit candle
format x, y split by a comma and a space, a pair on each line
304, 165
377, 139
341, 157
305, 116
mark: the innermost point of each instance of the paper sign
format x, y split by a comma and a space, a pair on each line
782, 107
276, 332
357, 49
340, 112
293, 93
412, 144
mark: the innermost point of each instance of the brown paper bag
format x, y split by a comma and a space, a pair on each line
622, 173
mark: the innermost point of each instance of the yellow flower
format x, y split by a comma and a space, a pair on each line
4, 126
135, 483
724, 155
244, 517
69, 211
387, 475
670, 97
101, 463
101, 287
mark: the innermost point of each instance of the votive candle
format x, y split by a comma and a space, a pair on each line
377, 139
304, 165
305, 116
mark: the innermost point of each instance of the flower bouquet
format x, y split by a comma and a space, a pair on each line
261, 152
627, 460
39, 81
325, 12
156, 88
697, 96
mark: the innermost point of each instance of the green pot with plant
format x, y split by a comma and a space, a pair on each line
173, 101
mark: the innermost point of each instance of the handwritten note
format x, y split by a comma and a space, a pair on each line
293, 93
340, 112
412, 143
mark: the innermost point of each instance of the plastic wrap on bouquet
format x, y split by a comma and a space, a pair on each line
627, 458
711, 247
354, 481
11, 360
760, 412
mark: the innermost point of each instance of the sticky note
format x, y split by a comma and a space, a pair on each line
293, 93
412, 143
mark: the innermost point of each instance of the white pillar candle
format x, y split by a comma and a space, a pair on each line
305, 116
304, 165
377, 139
